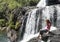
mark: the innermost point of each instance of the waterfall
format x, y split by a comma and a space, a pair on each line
31, 29
45, 15
31, 26
41, 4
36, 20
37, 17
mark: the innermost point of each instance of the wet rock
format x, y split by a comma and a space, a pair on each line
35, 40
52, 2
12, 35
56, 37
53, 36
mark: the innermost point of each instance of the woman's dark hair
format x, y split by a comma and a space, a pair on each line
48, 21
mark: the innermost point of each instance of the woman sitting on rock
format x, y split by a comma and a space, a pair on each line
46, 30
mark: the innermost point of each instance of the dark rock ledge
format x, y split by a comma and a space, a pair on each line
52, 38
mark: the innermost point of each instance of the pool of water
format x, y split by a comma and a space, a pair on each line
3, 37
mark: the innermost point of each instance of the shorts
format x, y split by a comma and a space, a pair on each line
43, 31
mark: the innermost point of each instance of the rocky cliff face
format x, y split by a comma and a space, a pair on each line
51, 38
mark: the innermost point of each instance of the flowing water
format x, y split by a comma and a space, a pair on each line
3, 37
32, 23
36, 19
43, 12
41, 4
31, 26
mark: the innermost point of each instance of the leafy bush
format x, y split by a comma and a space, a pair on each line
2, 22
10, 5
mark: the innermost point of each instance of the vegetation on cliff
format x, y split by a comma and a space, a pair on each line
8, 12
11, 16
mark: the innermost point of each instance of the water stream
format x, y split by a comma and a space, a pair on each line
41, 13
36, 19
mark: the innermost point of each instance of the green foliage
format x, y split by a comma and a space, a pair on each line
11, 5
2, 6
2, 22
10, 22
27, 2
17, 24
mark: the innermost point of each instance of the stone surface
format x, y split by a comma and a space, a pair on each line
12, 35
52, 38
35, 40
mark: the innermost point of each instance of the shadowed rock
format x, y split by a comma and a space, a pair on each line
51, 37
12, 35
35, 40
52, 2
56, 37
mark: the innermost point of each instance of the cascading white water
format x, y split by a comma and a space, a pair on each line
41, 4
45, 15
31, 21
30, 31
58, 16
30, 26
